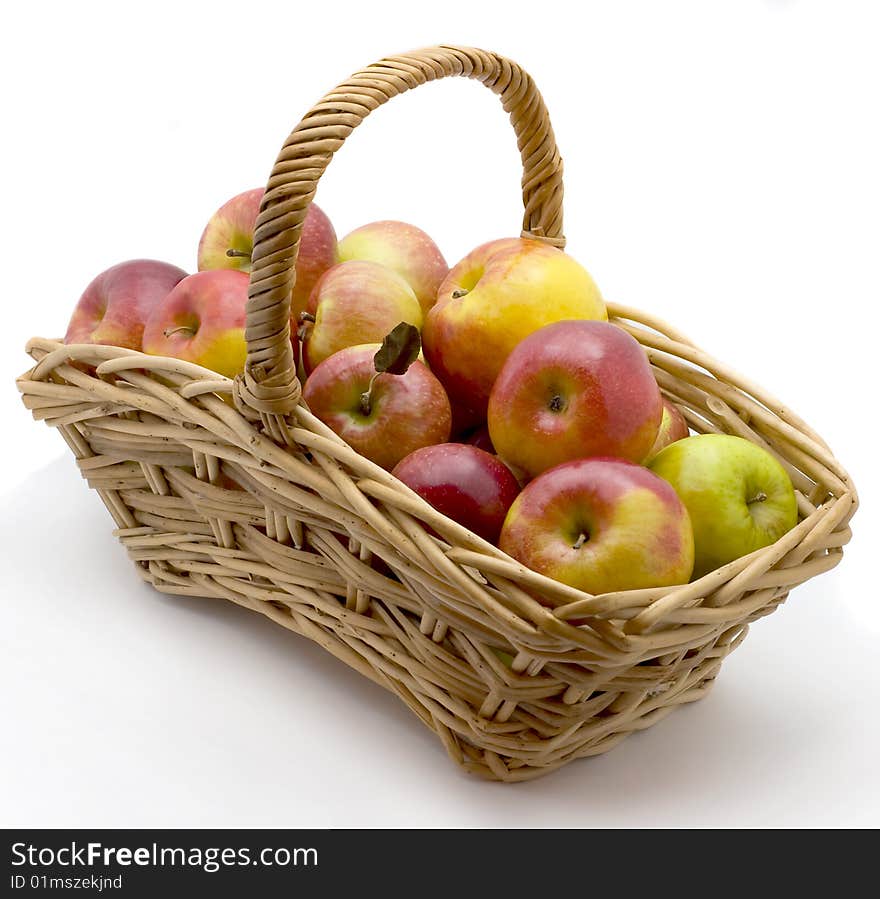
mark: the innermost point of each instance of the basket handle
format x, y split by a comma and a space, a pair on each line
269, 385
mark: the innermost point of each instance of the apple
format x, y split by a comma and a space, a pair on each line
116, 305
317, 253
482, 439
571, 390
228, 242
404, 249
202, 321
601, 525
496, 296
383, 416
462, 482
672, 427
739, 497
355, 303
465, 420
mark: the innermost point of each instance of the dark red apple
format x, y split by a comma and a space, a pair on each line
465, 420
481, 439
462, 482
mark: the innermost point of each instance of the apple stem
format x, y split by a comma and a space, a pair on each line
581, 540
760, 498
459, 292
169, 332
366, 396
238, 254
303, 330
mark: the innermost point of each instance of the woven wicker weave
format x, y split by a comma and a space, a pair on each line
233, 489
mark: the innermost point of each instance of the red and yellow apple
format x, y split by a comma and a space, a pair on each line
355, 303
739, 497
462, 482
116, 305
202, 321
601, 525
574, 389
228, 242
672, 427
404, 249
496, 296
402, 413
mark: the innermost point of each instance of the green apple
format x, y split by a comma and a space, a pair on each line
738, 496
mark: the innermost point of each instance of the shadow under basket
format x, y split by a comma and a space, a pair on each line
234, 489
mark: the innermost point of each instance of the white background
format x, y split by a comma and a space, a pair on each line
722, 172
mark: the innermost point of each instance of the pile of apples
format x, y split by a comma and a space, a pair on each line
497, 390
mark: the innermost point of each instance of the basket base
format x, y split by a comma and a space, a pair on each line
592, 733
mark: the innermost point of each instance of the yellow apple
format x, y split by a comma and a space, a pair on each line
497, 295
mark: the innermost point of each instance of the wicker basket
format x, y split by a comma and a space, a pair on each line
233, 489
